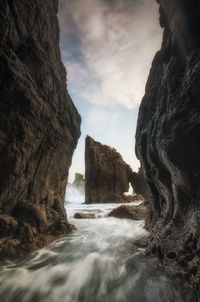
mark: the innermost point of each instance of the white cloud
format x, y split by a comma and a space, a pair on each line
107, 47
97, 115
117, 44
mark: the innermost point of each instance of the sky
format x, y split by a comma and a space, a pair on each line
107, 47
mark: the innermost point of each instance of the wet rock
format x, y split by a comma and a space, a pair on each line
188, 249
8, 225
142, 242
194, 244
193, 271
84, 216
189, 258
168, 128
198, 253
39, 125
138, 197
171, 255
182, 253
183, 263
107, 176
154, 250
160, 253
130, 212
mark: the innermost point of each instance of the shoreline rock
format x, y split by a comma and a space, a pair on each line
39, 127
167, 141
130, 212
107, 175
84, 216
128, 199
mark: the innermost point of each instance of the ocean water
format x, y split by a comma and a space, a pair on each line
97, 263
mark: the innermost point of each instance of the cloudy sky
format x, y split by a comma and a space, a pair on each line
107, 47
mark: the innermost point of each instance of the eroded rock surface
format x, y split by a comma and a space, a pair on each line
130, 212
130, 198
84, 216
39, 127
138, 183
167, 139
107, 175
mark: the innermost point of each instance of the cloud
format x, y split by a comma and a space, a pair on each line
97, 115
107, 47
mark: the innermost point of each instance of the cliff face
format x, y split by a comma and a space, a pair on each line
39, 126
107, 175
167, 138
138, 183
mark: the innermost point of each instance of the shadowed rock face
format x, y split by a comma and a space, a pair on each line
106, 173
39, 126
167, 138
138, 183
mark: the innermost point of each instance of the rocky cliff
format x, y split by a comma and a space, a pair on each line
138, 183
39, 127
79, 182
107, 175
167, 138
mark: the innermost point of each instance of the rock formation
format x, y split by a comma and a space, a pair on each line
39, 127
130, 212
84, 216
132, 198
107, 175
79, 182
138, 183
167, 138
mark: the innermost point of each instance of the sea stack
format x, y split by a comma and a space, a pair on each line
167, 138
39, 127
107, 175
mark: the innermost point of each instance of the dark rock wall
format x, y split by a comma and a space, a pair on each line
39, 125
138, 183
167, 138
106, 174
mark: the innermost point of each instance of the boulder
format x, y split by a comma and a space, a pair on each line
84, 216
133, 198
130, 212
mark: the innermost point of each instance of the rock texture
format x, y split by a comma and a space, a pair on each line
39, 127
130, 212
138, 183
84, 216
167, 139
133, 198
107, 176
